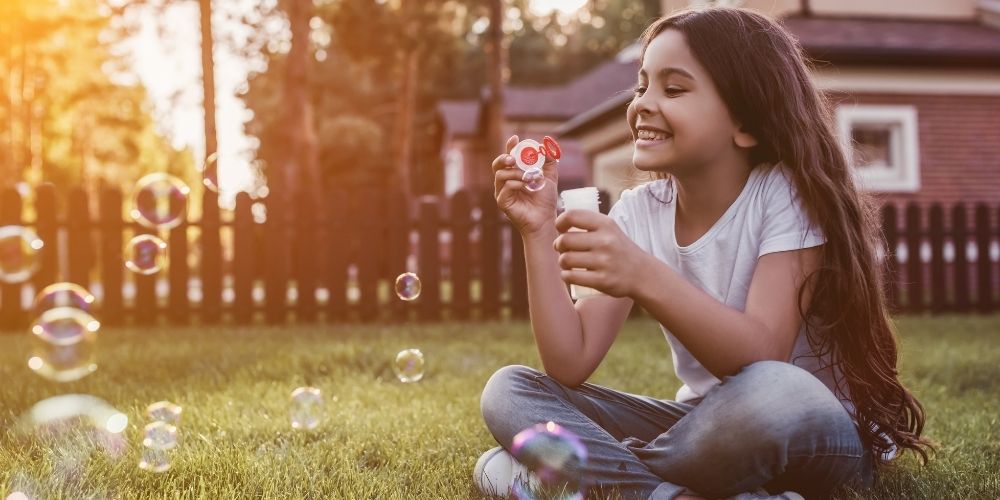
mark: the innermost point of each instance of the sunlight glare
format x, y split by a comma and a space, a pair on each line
545, 7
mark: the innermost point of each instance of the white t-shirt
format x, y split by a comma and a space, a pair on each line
766, 217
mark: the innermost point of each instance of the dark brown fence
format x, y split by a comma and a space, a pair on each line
336, 259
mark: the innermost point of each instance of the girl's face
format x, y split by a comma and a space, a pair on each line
677, 117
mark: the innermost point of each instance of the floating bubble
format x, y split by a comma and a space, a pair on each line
18, 495
556, 456
19, 248
306, 407
60, 418
210, 173
159, 436
154, 460
64, 326
164, 411
409, 365
534, 180
145, 254
63, 363
159, 201
62, 295
408, 286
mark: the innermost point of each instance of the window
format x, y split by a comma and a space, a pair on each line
881, 142
454, 172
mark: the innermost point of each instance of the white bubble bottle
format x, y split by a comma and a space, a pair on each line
581, 199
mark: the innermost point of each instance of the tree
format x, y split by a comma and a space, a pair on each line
66, 120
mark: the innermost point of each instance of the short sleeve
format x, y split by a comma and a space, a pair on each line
786, 225
621, 212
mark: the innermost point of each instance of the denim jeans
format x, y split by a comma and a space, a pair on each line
772, 425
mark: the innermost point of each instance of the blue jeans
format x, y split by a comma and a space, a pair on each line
772, 425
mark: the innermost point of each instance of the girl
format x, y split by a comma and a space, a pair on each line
755, 251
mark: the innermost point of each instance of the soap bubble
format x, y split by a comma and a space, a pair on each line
409, 365
19, 248
71, 416
159, 201
534, 180
145, 254
64, 326
164, 411
154, 460
408, 286
210, 173
306, 407
556, 456
62, 295
159, 436
64, 363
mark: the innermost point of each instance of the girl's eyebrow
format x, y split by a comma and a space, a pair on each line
664, 72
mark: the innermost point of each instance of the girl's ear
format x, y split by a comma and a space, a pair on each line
743, 139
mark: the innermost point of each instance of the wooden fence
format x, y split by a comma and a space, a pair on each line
336, 259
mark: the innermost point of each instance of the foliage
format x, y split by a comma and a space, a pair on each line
384, 439
360, 50
69, 117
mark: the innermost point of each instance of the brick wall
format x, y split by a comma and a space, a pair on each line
959, 146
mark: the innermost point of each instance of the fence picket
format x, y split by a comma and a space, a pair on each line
429, 268
210, 267
938, 286
960, 274
461, 263
11, 316
489, 246
984, 266
914, 264
112, 266
244, 259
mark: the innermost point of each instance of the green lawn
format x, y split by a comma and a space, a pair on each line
384, 439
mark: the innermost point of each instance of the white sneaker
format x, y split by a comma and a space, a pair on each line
496, 471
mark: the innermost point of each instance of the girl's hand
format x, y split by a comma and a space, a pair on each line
528, 211
601, 256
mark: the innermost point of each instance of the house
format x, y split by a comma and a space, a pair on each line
916, 87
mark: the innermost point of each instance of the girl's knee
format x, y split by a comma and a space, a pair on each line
500, 399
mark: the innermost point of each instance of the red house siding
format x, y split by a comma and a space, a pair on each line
959, 146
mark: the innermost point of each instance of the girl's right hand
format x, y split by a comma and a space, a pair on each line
528, 211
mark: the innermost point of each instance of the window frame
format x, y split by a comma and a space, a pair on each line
903, 177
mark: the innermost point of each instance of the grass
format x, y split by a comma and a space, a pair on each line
384, 439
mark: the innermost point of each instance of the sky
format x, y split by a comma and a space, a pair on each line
169, 65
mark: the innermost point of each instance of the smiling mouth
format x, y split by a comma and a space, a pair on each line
649, 135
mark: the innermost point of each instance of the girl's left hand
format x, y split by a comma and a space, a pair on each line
601, 256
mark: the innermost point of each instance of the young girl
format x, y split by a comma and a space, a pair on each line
755, 251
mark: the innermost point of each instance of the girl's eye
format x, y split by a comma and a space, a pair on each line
673, 91
639, 90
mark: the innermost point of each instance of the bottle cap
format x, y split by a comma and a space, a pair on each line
528, 155
586, 198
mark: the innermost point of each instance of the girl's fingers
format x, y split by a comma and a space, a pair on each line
571, 241
507, 195
511, 142
503, 176
578, 260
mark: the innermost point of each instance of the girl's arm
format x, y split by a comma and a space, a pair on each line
724, 339
721, 338
572, 340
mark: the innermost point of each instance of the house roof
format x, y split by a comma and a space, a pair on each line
897, 41
857, 41
460, 117
597, 85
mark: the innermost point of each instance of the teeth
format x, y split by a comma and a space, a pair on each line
650, 135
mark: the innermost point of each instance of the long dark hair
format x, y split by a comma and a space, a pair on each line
763, 78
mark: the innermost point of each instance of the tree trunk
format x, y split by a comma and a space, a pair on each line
407, 103
300, 167
497, 62
208, 77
